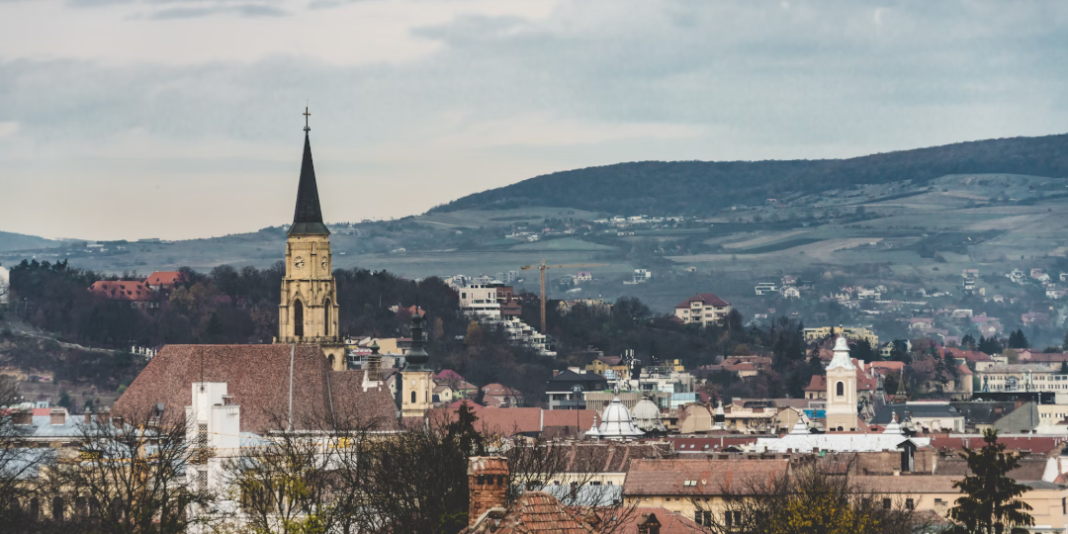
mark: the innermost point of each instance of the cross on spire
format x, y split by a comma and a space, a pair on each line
306, 116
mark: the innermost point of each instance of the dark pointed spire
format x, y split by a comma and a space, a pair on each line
308, 217
417, 358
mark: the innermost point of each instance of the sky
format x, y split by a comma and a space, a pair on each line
127, 119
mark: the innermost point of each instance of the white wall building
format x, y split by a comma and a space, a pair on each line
214, 427
480, 301
5, 285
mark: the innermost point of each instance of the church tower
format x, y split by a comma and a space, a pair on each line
841, 389
308, 312
417, 385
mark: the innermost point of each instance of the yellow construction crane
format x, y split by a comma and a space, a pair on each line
542, 267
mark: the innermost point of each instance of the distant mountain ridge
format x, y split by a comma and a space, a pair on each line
13, 241
694, 187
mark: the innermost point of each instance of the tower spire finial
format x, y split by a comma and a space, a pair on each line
307, 115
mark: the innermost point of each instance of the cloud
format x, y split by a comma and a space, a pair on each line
423, 101
8, 128
243, 10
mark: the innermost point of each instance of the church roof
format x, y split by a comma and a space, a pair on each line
308, 217
258, 378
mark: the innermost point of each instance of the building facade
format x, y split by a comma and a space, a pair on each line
702, 309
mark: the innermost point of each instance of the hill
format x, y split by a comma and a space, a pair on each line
697, 187
12, 241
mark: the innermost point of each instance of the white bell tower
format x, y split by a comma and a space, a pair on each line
841, 389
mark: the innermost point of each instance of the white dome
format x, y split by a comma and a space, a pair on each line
647, 416
616, 422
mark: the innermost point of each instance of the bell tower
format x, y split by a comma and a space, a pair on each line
308, 312
841, 389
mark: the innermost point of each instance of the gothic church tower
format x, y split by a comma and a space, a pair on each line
308, 312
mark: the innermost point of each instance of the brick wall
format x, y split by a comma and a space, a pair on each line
487, 480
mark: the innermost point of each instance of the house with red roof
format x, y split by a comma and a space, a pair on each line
139, 294
703, 308
164, 279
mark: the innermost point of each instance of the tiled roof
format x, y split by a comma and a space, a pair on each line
258, 378
670, 522
1037, 445
123, 290
708, 299
164, 278
534, 512
448, 374
699, 477
511, 421
709, 443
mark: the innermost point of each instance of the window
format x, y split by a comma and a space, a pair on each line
909, 504
326, 318
840, 389
887, 504
1064, 505
413, 397
298, 319
732, 518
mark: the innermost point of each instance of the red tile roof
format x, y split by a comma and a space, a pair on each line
258, 377
708, 299
699, 477
123, 290
819, 382
165, 278
534, 512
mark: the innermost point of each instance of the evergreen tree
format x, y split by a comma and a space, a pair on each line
968, 342
1017, 340
1064, 368
1064, 346
989, 345
991, 498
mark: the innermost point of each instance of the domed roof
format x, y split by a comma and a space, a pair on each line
647, 416
616, 422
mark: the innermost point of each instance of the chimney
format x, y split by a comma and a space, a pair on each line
103, 415
58, 416
22, 417
88, 416
648, 524
487, 481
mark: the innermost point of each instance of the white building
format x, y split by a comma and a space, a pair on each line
5, 285
480, 301
765, 288
214, 427
703, 308
616, 423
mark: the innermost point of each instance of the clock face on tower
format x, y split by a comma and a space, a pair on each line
298, 262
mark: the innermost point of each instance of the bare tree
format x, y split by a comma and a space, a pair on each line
18, 462
804, 499
127, 476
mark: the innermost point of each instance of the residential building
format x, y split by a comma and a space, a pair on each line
139, 294
164, 279
215, 429
922, 417
703, 308
498, 396
850, 332
765, 288
1024, 377
565, 390
480, 301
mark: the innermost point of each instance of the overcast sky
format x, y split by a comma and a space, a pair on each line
182, 118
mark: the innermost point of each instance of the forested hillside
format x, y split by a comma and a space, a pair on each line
695, 187
12, 241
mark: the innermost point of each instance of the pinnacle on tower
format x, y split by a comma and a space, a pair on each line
308, 217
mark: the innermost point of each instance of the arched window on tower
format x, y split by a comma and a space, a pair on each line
840, 389
298, 319
413, 397
326, 318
